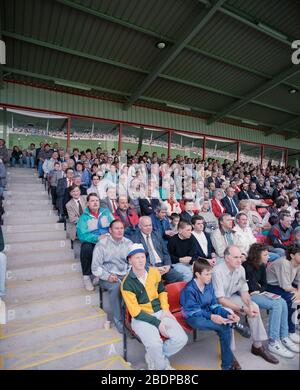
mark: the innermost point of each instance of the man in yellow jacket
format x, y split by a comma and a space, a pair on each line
147, 302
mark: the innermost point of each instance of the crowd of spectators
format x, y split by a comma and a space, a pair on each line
230, 230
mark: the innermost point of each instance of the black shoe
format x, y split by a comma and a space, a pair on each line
242, 329
61, 220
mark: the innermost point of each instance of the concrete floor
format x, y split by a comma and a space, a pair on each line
204, 354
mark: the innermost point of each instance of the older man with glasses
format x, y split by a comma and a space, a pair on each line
232, 291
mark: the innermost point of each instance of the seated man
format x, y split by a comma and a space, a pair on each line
244, 237
147, 303
202, 311
187, 213
281, 235
204, 244
148, 205
75, 208
62, 185
230, 202
110, 201
110, 266
156, 250
231, 290
183, 250
160, 222
126, 215
91, 226
223, 237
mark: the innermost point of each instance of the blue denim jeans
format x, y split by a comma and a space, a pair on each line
287, 296
2, 273
224, 332
40, 168
273, 256
29, 161
278, 321
15, 162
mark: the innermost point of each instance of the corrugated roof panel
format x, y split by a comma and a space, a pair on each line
283, 16
261, 114
203, 70
280, 96
168, 17
237, 42
295, 79
188, 96
296, 126
65, 66
73, 29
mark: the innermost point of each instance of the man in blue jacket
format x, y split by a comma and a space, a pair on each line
201, 310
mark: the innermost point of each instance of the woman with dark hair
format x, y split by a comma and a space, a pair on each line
283, 277
255, 267
201, 310
16, 156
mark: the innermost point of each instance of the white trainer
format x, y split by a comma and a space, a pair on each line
289, 344
278, 349
88, 285
149, 362
294, 337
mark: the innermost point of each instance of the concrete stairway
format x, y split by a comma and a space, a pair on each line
53, 323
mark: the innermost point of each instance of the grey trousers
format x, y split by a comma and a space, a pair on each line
256, 325
156, 348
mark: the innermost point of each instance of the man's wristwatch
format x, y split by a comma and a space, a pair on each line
242, 310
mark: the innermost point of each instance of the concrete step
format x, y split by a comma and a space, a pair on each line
25, 333
25, 213
43, 304
35, 286
13, 220
65, 353
43, 227
115, 362
34, 236
29, 207
10, 195
38, 270
42, 246
15, 185
17, 203
53, 255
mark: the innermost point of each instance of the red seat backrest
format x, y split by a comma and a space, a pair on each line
173, 290
261, 239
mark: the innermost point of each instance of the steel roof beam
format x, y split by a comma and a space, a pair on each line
124, 94
154, 34
254, 23
292, 71
201, 21
92, 57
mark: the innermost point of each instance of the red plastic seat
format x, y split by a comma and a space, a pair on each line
261, 239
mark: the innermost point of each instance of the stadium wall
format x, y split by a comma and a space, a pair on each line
23, 96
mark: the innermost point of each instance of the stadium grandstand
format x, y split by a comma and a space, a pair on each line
149, 185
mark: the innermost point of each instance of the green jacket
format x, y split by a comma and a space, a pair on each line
89, 228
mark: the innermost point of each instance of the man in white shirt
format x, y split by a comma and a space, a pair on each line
231, 290
243, 236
